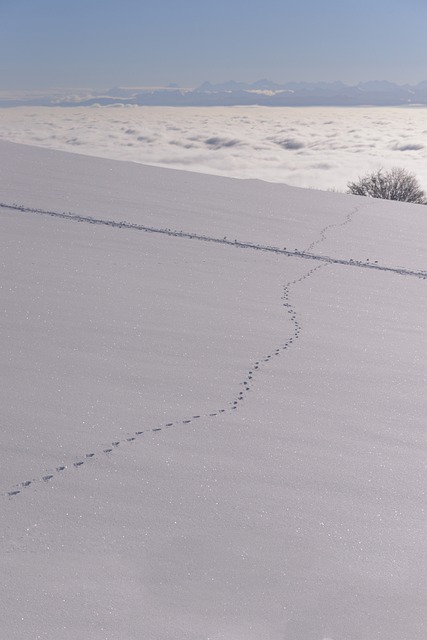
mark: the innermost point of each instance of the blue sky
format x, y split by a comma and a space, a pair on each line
101, 43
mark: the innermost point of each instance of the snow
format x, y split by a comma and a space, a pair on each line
298, 515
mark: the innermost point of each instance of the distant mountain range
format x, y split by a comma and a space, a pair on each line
261, 92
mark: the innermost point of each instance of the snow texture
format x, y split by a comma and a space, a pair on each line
213, 407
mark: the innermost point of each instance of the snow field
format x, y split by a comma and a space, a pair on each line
298, 515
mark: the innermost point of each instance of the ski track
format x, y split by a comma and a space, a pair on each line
295, 253
256, 366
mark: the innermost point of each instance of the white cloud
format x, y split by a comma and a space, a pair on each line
320, 147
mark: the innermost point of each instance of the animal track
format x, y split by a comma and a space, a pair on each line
303, 254
323, 231
258, 365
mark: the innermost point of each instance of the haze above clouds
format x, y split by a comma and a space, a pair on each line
106, 42
319, 147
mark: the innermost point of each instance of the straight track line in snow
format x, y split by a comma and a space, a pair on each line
256, 366
304, 254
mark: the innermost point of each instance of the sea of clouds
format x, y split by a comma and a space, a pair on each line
314, 147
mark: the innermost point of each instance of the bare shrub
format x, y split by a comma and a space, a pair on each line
396, 184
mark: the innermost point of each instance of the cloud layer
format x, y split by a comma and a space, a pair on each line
316, 147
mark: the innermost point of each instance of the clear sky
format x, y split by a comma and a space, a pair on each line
101, 43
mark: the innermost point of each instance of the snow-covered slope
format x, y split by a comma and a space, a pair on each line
205, 440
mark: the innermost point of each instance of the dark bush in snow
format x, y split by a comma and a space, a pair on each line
395, 184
